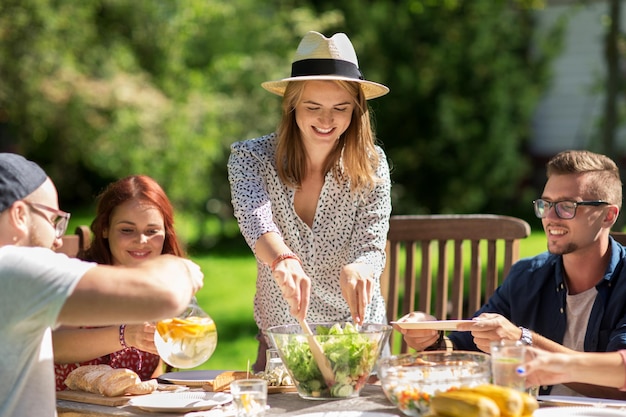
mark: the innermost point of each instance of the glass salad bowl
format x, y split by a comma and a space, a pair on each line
351, 354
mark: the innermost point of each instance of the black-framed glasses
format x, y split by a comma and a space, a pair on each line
564, 209
60, 220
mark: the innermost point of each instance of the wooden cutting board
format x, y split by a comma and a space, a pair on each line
91, 398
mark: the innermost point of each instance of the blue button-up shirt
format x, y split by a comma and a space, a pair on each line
533, 296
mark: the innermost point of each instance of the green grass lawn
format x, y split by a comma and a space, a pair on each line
227, 296
534, 244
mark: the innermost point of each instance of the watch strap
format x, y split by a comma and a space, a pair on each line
526, 337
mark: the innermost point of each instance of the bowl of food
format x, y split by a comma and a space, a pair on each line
349, 352
410, 380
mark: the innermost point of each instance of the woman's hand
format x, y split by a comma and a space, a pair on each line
141, 336
357, 283
595, 368
418, 339
547, 368
295, 286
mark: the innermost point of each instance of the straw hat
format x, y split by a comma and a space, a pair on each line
322, 58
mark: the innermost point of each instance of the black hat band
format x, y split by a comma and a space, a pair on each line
307, 67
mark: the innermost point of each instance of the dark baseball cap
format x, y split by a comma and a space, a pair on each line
18, 178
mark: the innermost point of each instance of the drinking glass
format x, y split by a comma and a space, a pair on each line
272, 360
506, 357
249, 396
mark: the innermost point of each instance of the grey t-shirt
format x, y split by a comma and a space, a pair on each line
578, 310
35, 284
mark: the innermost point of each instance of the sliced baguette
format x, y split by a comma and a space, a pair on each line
115, 382
110, 382
85, 378
145, 387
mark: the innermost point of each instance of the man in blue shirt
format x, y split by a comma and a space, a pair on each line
572, 297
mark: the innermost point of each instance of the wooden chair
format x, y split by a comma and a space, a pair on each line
429, 279
620, 237
80, 240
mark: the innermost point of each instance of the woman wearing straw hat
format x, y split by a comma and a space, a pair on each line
313, 199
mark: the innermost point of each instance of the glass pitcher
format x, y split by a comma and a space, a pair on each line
188, 340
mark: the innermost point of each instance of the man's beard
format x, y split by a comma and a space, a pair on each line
35, 239
571, 247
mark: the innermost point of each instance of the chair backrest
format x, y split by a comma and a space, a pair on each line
79, 241
429, 279
620, 237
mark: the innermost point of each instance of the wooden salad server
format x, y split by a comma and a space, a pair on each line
318, 354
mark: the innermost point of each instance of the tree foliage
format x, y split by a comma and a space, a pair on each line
99, 89
464, 81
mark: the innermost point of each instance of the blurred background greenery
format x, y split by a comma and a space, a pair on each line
99, 89
95, 90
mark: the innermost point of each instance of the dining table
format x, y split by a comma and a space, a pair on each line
371, 401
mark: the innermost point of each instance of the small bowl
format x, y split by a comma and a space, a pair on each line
352, 355
409, 380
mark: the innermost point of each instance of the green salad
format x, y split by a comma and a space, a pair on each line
352, 356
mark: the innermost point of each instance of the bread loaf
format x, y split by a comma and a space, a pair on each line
110, 382
145, 387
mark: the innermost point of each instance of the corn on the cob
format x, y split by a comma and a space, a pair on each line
530, 404
463, 404
509, 400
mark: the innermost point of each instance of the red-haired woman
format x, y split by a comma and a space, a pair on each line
134, 222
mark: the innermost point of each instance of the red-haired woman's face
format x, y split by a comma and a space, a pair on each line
136, 233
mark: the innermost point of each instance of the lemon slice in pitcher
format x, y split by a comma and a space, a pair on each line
186, 342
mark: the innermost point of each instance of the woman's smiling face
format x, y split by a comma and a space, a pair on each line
324, 112
136, 232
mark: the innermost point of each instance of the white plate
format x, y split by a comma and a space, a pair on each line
180, 401
347, 414
190, 378
563, 400
434, 324
578, 411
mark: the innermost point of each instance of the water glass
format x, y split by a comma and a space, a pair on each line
249, 396
506, 357
272, 360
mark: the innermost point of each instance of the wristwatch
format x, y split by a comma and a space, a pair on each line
527, 336
442, 343
437, 344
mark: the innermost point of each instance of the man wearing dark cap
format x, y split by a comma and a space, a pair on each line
42, 289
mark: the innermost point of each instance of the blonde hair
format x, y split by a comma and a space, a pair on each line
604, 181
353, 159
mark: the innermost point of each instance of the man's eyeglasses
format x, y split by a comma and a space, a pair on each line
563, 209
60, 220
